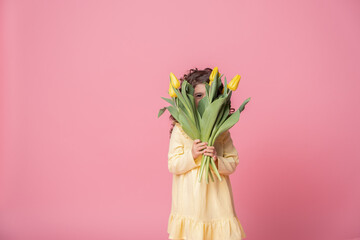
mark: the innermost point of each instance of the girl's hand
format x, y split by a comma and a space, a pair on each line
198, 148
211, 151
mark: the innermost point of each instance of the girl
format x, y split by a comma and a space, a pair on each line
201, 211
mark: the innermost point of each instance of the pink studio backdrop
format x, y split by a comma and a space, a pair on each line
84, 156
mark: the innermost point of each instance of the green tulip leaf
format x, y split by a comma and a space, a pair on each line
161, 111
184, 88
209, 117
214, 88
229, 123
195, 112
202, 105
182, 107
207, 89
181, 99
169, 100
225, 113
232, 119
190, 89
174, 112
225, 87
188, 126
242, 107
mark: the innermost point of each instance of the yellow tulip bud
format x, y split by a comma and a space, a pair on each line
174, 81
233, 84
171, 91
213, 73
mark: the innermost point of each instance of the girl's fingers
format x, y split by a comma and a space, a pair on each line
203, 151
210, 154
201, 144
201, 147
210, 149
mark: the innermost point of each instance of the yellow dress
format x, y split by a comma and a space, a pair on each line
202, 211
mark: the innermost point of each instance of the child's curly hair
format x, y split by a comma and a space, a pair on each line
195, 77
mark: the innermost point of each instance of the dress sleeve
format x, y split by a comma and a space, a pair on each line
180, 160
230, 159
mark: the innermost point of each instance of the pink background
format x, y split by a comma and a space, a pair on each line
84, 156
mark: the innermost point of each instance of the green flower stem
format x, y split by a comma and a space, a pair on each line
212, 178
211, 143
215, 170
206, 162
202, 166
207, 171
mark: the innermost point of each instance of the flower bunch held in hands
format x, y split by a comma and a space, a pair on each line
209, 119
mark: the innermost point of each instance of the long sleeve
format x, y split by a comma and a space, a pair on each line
180, 160
230, 159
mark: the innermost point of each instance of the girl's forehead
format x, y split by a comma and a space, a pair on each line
200, 87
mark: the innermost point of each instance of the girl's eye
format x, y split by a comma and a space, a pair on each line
199, 95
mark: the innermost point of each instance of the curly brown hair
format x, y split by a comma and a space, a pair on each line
194, 77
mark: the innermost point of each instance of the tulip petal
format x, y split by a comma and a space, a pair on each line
174, 81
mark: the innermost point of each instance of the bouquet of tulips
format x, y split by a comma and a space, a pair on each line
210, 118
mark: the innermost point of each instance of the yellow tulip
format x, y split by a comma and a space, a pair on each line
171, 91
213, 73
174, 81
233, 84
